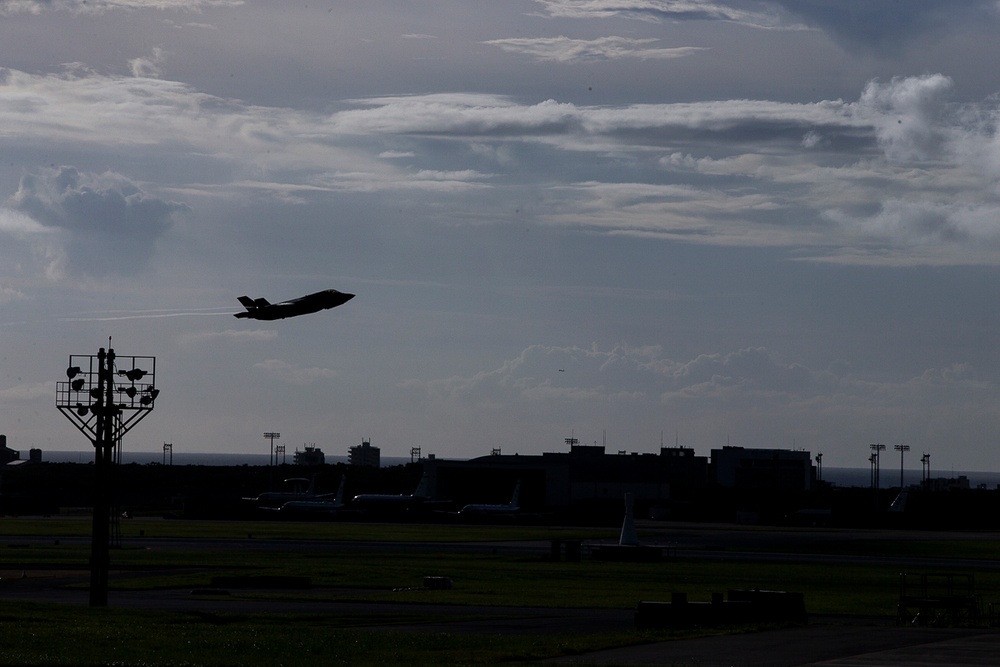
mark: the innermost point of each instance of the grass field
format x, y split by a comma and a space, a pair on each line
37, 634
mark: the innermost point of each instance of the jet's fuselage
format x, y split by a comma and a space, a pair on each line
260, 309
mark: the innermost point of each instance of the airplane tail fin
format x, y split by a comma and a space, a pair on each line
517, 493
424, 487
247, 302
339, 498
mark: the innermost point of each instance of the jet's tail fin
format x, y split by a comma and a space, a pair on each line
250, 304
517, 492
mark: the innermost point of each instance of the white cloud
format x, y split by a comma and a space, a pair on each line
100, 6
736, 172
9, 294
750, 12
19, 225
28, 392
292, 374
228, 336
910, 115
151, 67
564, 49
494, 115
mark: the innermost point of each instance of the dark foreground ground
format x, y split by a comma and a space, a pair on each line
830, 641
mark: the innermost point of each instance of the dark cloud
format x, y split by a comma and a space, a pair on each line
112, 224
886, 25
880, 25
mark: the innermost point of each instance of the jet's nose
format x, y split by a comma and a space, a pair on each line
347, 297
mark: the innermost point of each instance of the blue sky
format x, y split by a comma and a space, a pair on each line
765, 223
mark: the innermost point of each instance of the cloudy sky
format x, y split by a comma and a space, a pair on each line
767, 223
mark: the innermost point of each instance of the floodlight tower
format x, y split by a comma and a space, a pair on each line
104, 413
272, 436
876, 448
902, 449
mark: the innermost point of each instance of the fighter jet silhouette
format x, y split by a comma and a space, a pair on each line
262, 309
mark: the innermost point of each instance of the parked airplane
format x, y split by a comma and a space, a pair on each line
262, 309
323, 505
484, 509
384, 502
275, 499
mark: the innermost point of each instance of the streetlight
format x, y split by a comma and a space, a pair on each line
819, 465
104, 413
902, 449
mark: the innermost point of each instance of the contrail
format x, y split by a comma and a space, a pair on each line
112, 316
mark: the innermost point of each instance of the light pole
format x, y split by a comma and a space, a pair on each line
271, 435
819, 465
105, 413
876, 448
902, 449
925, 462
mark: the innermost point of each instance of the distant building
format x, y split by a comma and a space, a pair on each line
585, 477
763, 469
6, 453
960, 483
312, 456
364, 455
